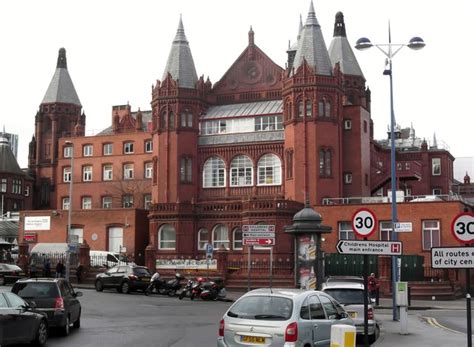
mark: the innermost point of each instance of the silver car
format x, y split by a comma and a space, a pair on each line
281, 317
350, 294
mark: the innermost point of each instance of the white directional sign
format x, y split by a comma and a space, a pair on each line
364, 222
261, 235
452, 257
463, 227
369, 247
403, 227
254, 228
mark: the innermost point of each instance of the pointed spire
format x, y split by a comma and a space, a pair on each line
311, 46
180, 62
435, 142
61, 89
251, 37
300, 29
340, 51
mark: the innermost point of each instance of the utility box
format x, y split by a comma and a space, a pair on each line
401, 293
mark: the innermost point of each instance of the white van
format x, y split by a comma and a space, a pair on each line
107, 259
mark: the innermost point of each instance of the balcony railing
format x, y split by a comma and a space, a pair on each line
387, 199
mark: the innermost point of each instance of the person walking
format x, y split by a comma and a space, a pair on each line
79, 272
47, 268
32, 269
60, 269
372, 286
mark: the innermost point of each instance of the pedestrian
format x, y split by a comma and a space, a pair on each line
372, 286
9, 257
47, 267
79, 272
32, 269
60, 269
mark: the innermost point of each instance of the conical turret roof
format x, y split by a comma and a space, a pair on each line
61, 88
340, 50
8, 163
180, 62
311, 46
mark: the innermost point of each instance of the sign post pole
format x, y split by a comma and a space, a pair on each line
248, 270
468, 306
366, 299
271, 265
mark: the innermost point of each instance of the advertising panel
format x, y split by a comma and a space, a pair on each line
306, 257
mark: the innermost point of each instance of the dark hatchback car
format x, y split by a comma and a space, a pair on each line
125, 278
55, 297
21, 322
10, 273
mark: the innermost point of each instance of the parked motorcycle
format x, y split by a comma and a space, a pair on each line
172, 286
197, 288
155, 283
213, 290
187, 289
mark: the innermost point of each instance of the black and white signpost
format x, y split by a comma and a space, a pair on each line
363, 224
462, 228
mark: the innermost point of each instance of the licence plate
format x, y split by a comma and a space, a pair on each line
252, 339
352, 314
145, 279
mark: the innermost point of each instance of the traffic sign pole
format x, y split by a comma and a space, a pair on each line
468, 306
366, 299
271, 266
249, 264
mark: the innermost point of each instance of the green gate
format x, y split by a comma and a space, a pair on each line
412, 268
348, 264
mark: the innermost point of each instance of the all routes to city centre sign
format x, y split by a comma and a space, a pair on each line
452, 257
369, 247
258, 235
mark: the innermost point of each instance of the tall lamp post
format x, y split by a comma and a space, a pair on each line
68, 236
389, 50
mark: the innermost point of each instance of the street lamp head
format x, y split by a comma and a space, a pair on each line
363, 43
416, 43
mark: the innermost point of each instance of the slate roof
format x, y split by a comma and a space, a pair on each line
146, 117
180, 62
61, 88
244, 110
8, 163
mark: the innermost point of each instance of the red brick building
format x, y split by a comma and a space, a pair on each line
209, 158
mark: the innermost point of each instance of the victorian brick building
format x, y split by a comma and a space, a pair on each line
209, 158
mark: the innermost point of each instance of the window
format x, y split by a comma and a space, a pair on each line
315, 308
289, 164
67, 174
237, 238
300, 108
127, 201
241, 171
67, 152
309, 108
86, 203
163, 120
269, 170
324, 108
347, 124
203, 238
345, 231
437, 191
220, 237
107, 172
408, 191
27, 191
149, 170
407, 166
147, 201
190, 119
171, 120
348, 178
106, 202
431, 234
115, 239
65, 203
87, 173
16, 186
325, 162
87, 150
107, 148
128, 171
3, 187
148, 146
436, 166
167, 237
331, 311
214, 174
128, 148
386, 231
399, 166
268, 123
365, 126
186, 170
77, 235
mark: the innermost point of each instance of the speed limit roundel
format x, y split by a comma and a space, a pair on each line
364, 222
462, 227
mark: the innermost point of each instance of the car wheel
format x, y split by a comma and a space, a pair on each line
99, 286
77, 323
125, 287
67, 328
374, 337
41, 334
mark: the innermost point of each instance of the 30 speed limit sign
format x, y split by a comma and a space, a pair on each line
463, 227
364, 222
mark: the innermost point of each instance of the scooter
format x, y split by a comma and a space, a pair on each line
213, 290
155, 283
172, 286
187, 289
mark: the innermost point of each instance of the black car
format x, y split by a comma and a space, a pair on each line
10, 273
125, 278
55, 297
21, 322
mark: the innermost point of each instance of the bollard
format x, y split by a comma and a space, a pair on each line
343, 335
409, 296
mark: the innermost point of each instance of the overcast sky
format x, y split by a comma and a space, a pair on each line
117, 49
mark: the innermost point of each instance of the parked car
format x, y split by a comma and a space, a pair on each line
54, 296
21, 322
124, 278
281, 317
107, 259
10, 273
350, 294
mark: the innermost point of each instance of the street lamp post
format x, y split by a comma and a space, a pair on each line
68, 236
415, 43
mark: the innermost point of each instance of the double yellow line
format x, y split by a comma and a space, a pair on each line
433, 322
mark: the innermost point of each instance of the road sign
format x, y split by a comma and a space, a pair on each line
403, 227
253, 234
462, 227
209, 250
364, 222
452, 257
369, 247
262, 228
259, 241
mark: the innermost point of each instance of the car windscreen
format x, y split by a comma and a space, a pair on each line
346, 296
262, 307
30, 290
141, 271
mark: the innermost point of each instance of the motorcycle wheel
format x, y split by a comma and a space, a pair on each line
192, 296
162, 291
182, 295
171, 292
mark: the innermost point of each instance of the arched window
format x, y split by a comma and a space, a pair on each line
324, 108
171, 115
163, 120
289, 164
220, 237
241, 171
269, 170
309, 108
186, 169
300, 108
237, 238
325, 162
203, 238
214, 173
167, 237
